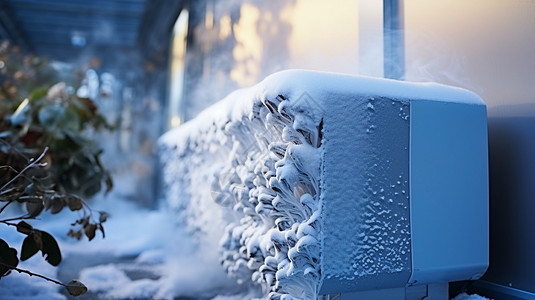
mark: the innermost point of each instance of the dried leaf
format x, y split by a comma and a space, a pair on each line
24, 227
76, 288
50, 249
75, 234
74, 203
79, 234
8, 256
101, 228
84, 221
103, 216
109, 185
37, 237
34, 208
90, 231
55, 203
29, 248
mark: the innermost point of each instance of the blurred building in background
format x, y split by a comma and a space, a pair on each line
124, 66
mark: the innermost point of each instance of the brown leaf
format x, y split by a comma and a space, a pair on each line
34, 208
90, 231
38, 239
54, 203
101, 228
24, 227
109, 185
82, 221
89, 105
103, 216
75, 234
76, 288
74, 203
29, 248
50, 250
8, 258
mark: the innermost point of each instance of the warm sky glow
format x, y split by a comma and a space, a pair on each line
248, 50
225, 27
479, 45
485, 46
310, 34
324, 35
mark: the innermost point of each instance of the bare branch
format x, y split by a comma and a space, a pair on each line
33, 163
4, 207
14, 149
10, 168
32, 274
7, 221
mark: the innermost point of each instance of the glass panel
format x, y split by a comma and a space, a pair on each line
176, 69
237, 43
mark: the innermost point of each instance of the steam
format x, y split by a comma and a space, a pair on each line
115, 80
431, 58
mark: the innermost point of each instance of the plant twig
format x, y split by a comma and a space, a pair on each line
32, 274
14, 149
10, 168
5, 205
33, 163
7, 221
30, 165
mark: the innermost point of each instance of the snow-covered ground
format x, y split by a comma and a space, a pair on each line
144, 255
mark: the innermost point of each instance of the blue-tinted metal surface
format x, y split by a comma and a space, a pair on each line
496, 291
449, 191
365, 217
393, 39
512, 199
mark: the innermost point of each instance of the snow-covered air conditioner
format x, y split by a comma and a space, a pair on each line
330, 184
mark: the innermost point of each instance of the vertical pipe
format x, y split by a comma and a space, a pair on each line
394, 44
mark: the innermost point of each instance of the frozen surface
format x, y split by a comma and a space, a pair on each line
365, 195
288, 201
266, 178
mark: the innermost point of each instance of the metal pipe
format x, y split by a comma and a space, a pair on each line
394, 43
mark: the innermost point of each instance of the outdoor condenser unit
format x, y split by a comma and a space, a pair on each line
346, 186
418, 174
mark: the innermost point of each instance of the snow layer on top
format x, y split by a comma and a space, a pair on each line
299, 81
293, 83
